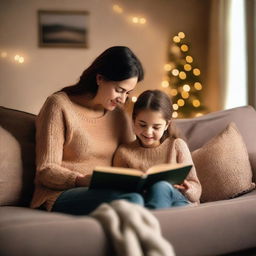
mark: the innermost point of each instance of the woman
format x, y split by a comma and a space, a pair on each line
80, 127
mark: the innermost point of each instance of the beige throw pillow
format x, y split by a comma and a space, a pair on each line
10, 169
223, 166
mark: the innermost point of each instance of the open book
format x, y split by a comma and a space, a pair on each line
128, 179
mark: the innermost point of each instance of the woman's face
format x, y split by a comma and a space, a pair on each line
112, 93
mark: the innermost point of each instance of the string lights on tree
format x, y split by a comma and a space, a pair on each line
183, 80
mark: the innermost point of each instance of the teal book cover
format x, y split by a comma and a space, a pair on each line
127, 179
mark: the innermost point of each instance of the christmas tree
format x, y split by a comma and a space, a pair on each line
183, 80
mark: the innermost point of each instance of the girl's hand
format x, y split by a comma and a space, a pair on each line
83, 180
184, 186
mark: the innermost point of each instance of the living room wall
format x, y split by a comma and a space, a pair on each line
26, 85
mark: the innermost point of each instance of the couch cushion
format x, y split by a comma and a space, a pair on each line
11, 169
200, 130
223, 166
32, 232
214, 228
20, 134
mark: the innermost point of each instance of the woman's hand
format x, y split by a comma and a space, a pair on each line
83, 180
184, 186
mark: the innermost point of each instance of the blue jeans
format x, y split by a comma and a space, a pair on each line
82, 201
163, 195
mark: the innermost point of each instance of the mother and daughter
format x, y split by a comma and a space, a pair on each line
84, 125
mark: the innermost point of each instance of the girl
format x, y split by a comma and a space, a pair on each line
156, 143
80, 127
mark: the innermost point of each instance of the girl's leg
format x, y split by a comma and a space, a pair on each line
82, 201
163, 195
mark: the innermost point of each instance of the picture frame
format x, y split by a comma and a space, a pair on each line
59, 28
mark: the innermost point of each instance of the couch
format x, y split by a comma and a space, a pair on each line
215, 227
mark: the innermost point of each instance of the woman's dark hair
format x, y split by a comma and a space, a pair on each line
117, 63
157, 100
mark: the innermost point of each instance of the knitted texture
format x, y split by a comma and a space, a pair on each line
68, 143
132, 229
133, 155
223, 166
11, 169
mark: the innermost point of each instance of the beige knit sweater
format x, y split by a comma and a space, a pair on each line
69, 143
133, 155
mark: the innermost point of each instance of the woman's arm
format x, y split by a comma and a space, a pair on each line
50, 139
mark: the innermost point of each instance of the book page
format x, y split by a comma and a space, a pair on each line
119, 170
164, 167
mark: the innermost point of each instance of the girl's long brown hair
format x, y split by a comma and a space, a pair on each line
157, 100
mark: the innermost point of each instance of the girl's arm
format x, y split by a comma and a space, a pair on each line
50, 139
120, 157
191, 188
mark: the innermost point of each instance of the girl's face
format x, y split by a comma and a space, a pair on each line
149, 127
112, 93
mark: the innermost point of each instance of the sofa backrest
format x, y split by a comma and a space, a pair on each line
200, 130
17, 156
19, 127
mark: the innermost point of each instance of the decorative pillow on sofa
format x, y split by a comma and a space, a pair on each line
18, 131
223, 166
10, 169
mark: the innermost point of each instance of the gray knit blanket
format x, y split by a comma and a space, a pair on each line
132, 229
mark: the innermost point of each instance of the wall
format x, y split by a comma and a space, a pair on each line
45, 70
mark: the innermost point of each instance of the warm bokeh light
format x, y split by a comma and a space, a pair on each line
134, 99
184, 48
175, 72
175, 106
184, 78
181, 35
139, 20
21, 59
186, 87
187, 67
196, 103
135, 19
196, 72
185, 95
182, 75
165, 84
167, 67
181, 102
198, 114
174, 114
117, 8
176, 39
189, 59
174, 92
198, 86
142, 21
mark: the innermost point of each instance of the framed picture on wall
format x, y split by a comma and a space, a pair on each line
63, 28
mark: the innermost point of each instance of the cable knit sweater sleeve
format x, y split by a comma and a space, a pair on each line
184, 156
50, 137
